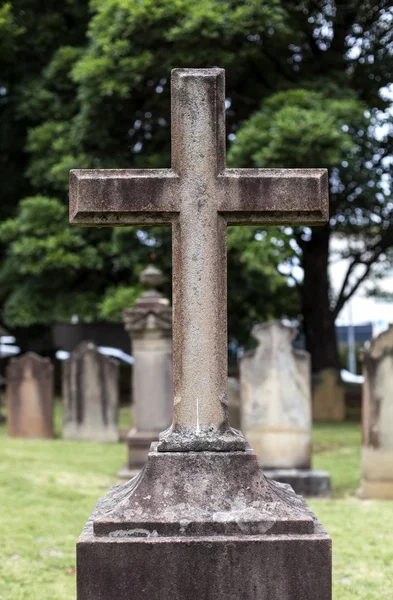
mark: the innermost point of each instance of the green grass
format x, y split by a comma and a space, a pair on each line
48, 489
337, 450
361, 530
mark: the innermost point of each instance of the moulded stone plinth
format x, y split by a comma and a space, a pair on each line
310, 483
279, 567
203, 526
138, 443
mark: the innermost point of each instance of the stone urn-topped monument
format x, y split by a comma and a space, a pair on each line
149, 324
201, 521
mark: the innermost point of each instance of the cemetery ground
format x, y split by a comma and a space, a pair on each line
48, 489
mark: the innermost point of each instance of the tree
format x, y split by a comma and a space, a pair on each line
53, 271
114, 111
66, 135
349, 44
303, 127
30, 34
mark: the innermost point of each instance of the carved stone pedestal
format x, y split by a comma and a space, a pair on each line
150, 325
203, 526
138, 443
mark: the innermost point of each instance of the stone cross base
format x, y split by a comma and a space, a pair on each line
310, 483
206, 526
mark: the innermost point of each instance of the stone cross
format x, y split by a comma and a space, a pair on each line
199, 197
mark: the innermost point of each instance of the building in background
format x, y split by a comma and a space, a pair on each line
363, 317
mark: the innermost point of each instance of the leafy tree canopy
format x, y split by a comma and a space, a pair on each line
306, 86
53, 271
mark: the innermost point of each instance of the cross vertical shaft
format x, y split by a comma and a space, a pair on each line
199, 263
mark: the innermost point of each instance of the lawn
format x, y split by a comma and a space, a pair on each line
48, 489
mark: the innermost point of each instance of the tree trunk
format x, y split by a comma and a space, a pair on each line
318, 319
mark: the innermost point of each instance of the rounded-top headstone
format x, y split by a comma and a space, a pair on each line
30, 396
276, 398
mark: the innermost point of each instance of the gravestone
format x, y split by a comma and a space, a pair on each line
90, 395
149, 324
377, 445
328, 400
234, 402
29, 381
201, 521
276, 409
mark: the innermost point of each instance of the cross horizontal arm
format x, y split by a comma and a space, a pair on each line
109, 197
263, 196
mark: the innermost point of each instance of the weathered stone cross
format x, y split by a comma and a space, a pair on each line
199, 197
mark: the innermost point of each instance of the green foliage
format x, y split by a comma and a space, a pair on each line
88, 86
31, 34
80, 108
121, 80
57, 148
53, 271
257, 290
116, 300
44, 259
296, 128
38, 242
9, 32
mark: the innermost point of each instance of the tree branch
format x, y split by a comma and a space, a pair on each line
342, 297
344, 285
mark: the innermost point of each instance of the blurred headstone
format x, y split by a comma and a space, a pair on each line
149, 324
276, 408
30, 396
328, 396
234, 402
90, 395
377, 446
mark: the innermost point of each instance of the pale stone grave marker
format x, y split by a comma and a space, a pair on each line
328, 396
276, 409
377, 417
201, 521
234, 402
90, 395
29, 393
149, 324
